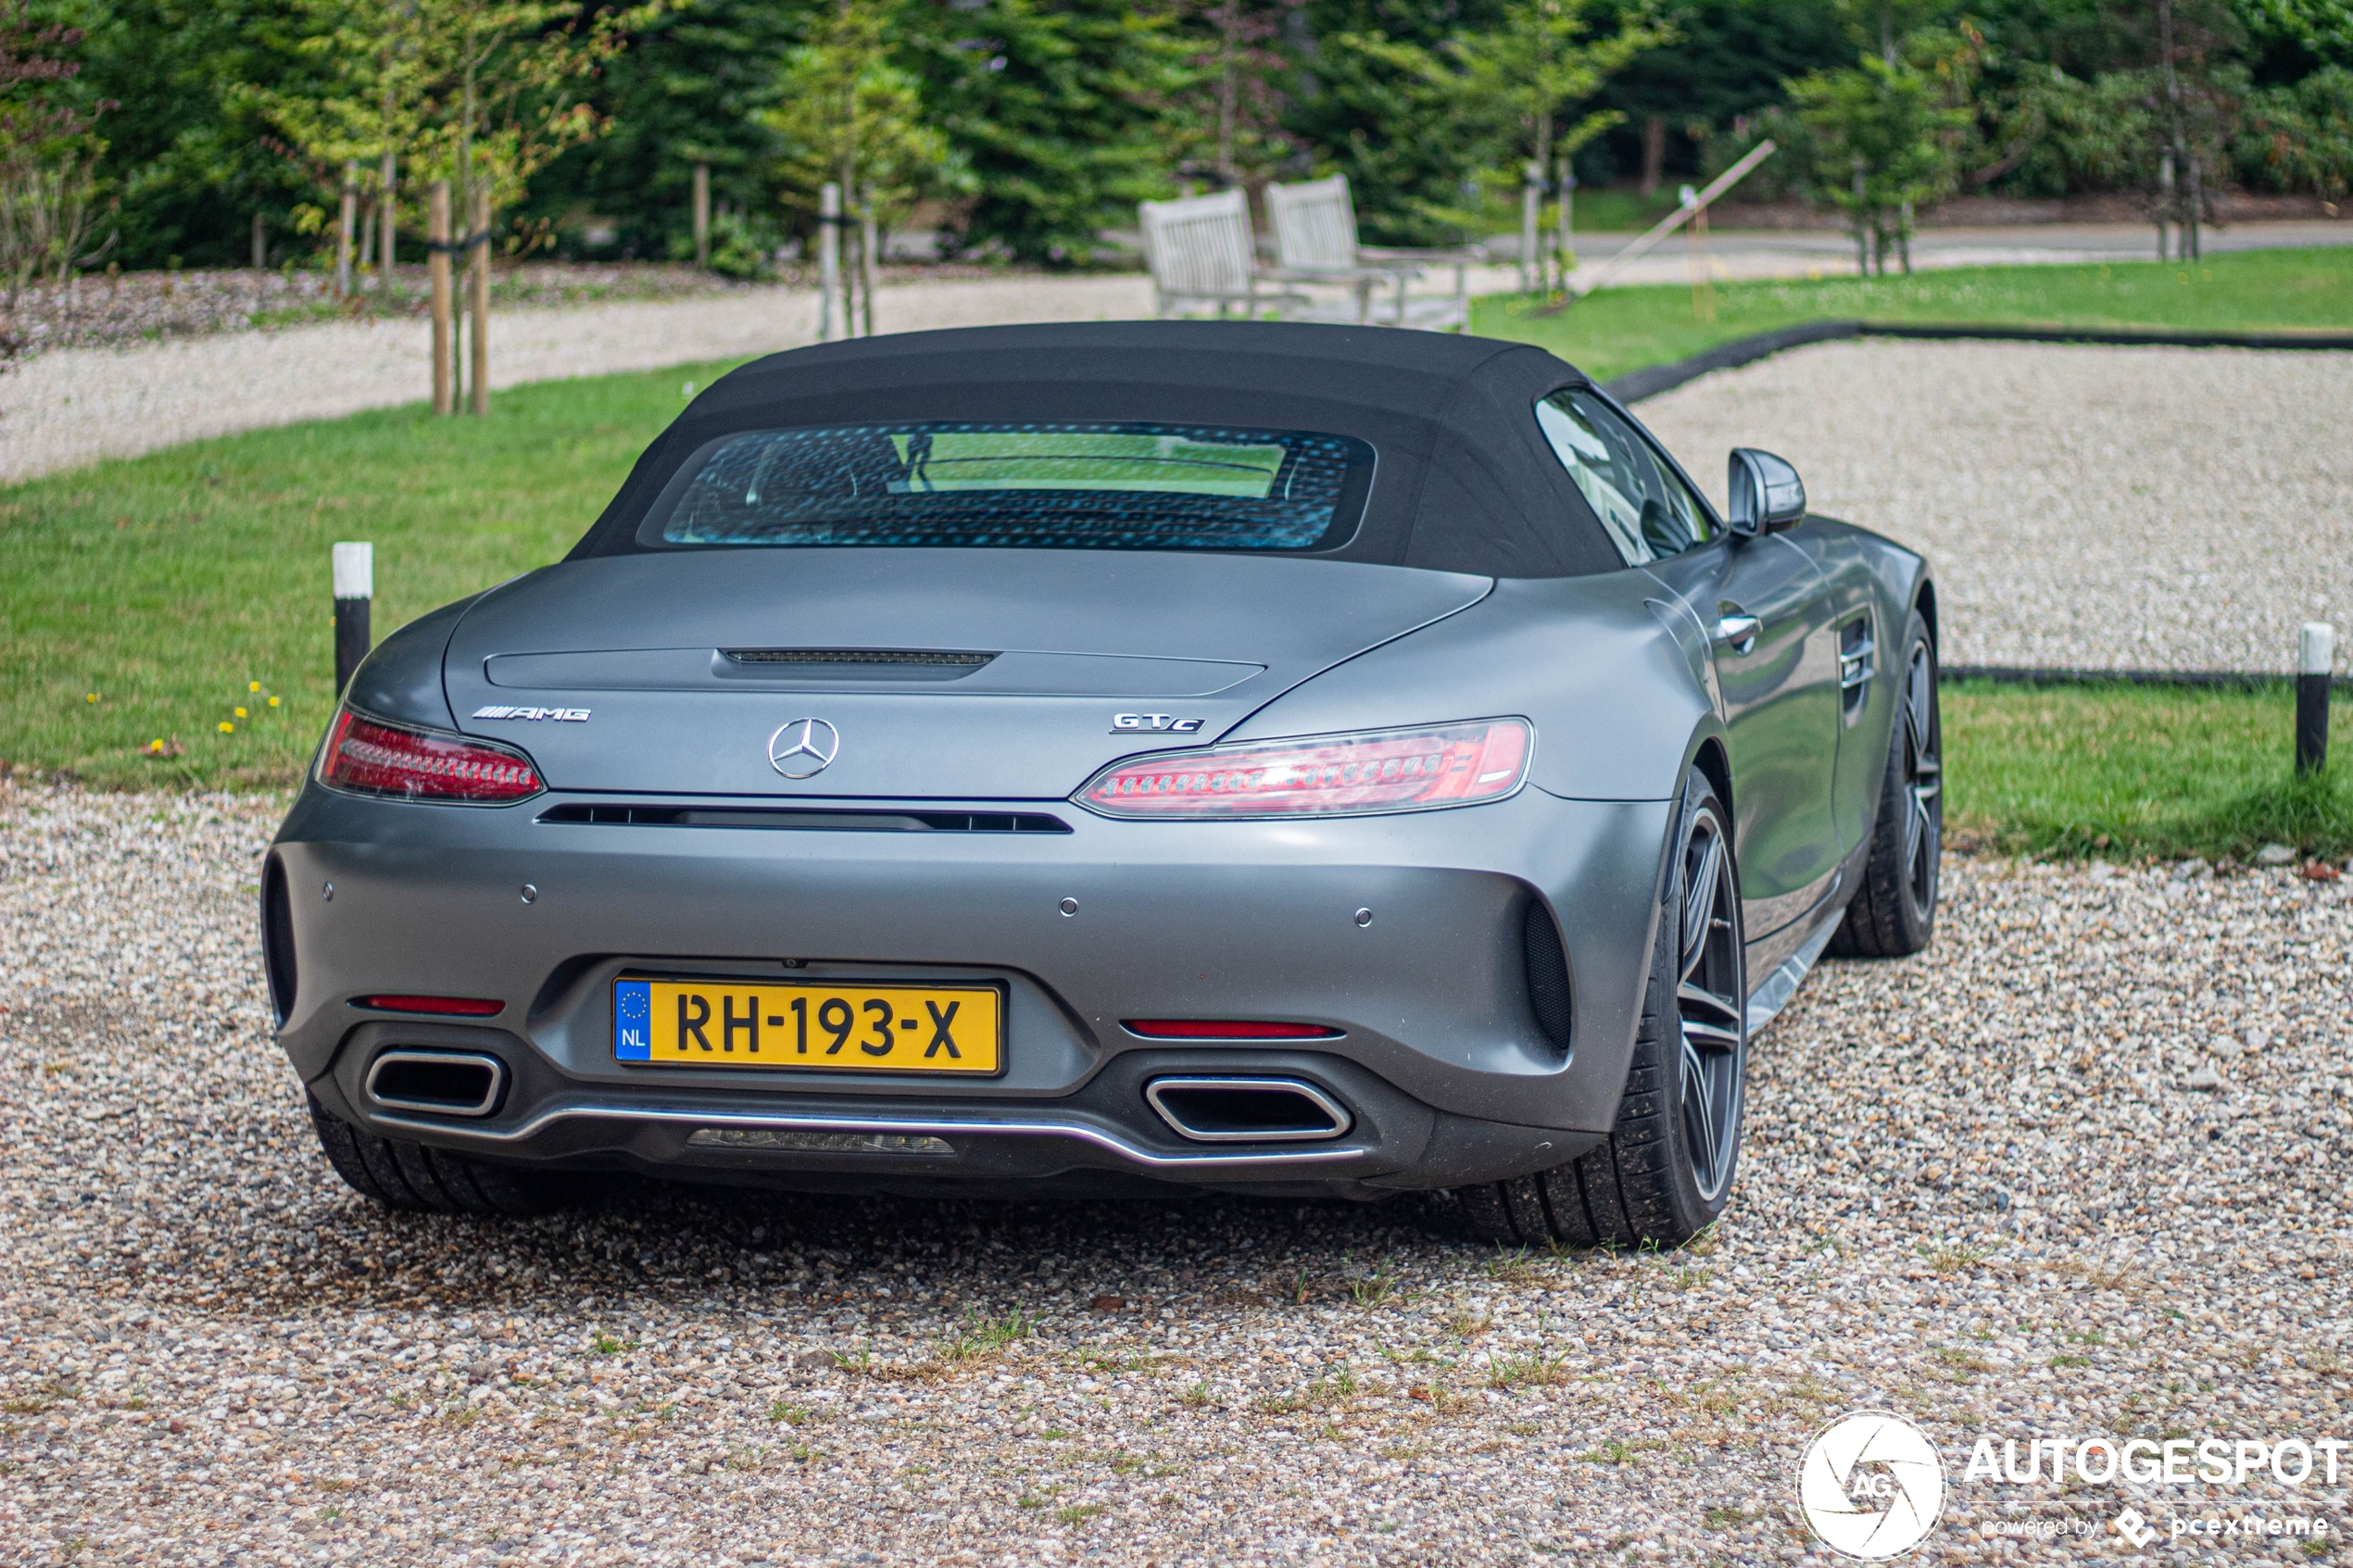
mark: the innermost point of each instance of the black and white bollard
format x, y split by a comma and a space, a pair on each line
2315, 651
355, 589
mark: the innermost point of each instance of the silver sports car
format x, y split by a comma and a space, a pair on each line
1097, 759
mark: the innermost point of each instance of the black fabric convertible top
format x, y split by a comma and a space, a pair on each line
1464, 478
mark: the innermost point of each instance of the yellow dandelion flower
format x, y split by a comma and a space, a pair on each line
241, 712
273, 702
156, 745
92, 697
253, 685
227, 728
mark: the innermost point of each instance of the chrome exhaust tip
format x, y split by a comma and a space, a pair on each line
438, 1083
1247, 1110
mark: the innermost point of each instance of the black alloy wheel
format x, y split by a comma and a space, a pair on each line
1923, 765
1894, 911
1710, 1008
1665, 1170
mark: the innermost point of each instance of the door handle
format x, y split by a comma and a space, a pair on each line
1740, 631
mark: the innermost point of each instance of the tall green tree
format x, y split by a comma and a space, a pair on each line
189, 165
1728, 64
1528, 81
1368, 106
693, 86
2321, 29
1232, 132
48, 144
482, 92
1061, 111
1885, 137
847, 111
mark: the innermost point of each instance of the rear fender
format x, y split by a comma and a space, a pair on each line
1620, 698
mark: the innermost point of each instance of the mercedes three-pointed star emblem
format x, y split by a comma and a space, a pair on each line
804, 747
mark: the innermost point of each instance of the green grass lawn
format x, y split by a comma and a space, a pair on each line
1614, 210
1615, 330
2123, 771
150, 599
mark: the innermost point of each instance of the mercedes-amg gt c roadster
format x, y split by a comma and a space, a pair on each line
1118, 757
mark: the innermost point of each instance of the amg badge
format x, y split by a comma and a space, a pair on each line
569, 715
1153, 725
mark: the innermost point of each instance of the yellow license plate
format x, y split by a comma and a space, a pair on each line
814, 1025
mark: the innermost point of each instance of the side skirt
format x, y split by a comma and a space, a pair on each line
1780, 981
1766, 1002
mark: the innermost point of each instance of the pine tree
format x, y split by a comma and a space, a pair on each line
1057, 108
1367, 110
690, 89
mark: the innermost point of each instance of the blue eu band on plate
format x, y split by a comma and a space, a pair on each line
810, 1025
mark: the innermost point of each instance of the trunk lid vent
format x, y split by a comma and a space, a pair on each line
921, 658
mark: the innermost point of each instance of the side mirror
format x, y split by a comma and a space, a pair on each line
1764, 492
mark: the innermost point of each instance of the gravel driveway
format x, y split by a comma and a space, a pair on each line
2171, 509
72, 405
1980, 1190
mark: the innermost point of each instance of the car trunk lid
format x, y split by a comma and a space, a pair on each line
943, 674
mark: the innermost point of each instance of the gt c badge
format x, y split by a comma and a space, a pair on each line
804, 748
1153, 725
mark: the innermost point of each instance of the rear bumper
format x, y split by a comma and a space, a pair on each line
1442, 1064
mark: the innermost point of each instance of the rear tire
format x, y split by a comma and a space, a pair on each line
414, 1176
1665, 1169
1893, 912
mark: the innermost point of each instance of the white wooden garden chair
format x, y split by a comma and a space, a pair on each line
1203, 256
1316, 240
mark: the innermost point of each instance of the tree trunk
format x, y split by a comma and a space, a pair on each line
1654, 153
1229, 88
384, 275
2183, 157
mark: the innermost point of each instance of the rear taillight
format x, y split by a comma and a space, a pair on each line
370, 756
1365, 775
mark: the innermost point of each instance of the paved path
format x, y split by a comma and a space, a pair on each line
1829, 252
69, 407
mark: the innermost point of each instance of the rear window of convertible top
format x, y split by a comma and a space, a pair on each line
1085, 486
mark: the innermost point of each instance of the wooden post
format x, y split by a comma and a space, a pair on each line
478, 270
437, 269
347, 228
702, 215
828, 257
384, 275
355, 571
260, 242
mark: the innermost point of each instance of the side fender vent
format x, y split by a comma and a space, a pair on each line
277, 939
1548, 995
